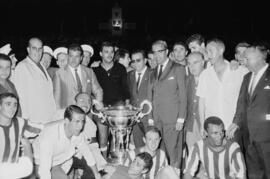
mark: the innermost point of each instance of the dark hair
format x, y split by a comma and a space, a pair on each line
152, 129
6, 95
241, 44
75, 47
212, 120
106, 44
34, 38
147, 158
120, 53
139, 51
195, 38
5, 58
72, 109
180, 43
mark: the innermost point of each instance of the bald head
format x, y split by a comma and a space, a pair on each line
256, 58
35, 49
195, 63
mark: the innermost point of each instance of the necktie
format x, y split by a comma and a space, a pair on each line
252, 85
160, 71
79, 84
138, 82
41, 68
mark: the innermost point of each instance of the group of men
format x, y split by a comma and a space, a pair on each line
210, 116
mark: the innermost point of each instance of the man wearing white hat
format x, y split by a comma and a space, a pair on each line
61, 56
46, 57
88, 52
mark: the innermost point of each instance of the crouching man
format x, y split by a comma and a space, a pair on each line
57, 144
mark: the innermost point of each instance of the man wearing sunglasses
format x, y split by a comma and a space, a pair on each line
138, 80
168, 95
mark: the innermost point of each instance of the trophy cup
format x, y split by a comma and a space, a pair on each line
120, 120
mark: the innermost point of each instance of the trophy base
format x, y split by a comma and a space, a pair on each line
117, 158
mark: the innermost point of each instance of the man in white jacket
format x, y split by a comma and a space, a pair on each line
34, 86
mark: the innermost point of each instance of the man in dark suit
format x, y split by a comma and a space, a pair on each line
253, 112
138, 80
73, 79
168, 95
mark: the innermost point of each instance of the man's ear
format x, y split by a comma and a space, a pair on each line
100, 54
28, 49
144, 140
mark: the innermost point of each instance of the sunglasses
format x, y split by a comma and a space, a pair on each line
136, 60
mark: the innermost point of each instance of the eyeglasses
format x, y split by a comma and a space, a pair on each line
159, 51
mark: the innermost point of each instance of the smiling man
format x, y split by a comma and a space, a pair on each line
56, 144
73, 79
221, 158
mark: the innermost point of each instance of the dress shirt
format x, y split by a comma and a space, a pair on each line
257, 77
137, 75
79, 71
220, 95
53, 148
164, 65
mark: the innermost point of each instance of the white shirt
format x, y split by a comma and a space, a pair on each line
164, 65
89, 132
137, 75
220, 96
20, 169
257, 77
53, 148
79, 71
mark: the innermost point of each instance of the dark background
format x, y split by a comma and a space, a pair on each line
61, 22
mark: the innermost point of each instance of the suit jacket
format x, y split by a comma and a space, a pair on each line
35, 91
168, 94
136, 97
254, 111
65, 86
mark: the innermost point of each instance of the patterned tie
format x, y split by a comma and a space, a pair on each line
138, 82
160, 71
79, 84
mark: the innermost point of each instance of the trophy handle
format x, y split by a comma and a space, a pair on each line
99, 114
148, 103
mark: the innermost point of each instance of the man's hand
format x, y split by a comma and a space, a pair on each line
203, 134
98, 105
179, 126
150, 122
231, 130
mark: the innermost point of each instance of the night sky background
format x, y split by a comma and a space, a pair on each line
61, 22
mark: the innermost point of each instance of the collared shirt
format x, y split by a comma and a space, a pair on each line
164, 65
225, 164
258, 76
220, 95
113, 82
79, 71
53, 148
142, 73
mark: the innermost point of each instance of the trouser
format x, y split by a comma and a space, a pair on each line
57, 172
82, 164
138, 133
258, 160
172, 142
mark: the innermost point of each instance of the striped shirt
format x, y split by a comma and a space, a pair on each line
218, 165
159, 161
10, 140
